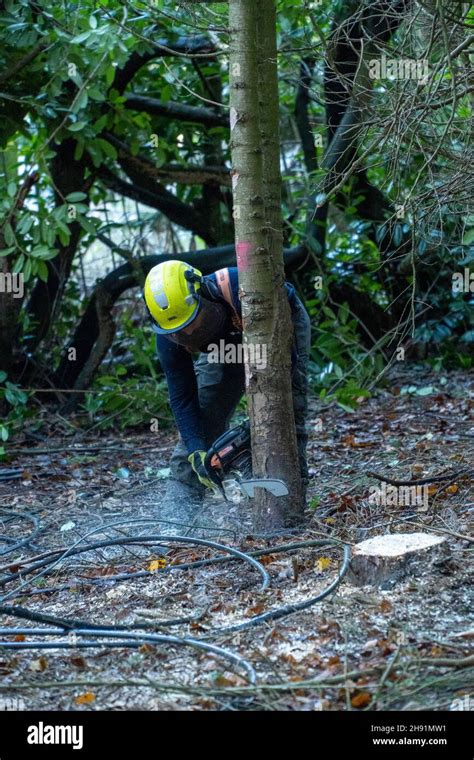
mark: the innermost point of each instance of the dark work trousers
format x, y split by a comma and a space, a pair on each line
221, 386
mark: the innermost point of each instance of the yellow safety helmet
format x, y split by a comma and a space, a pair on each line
171, 295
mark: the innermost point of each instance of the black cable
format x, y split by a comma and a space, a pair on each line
276, 614
158, 538
235, 554
138, 639
122, 633
290, 608
184, 566
127, 639
25, 541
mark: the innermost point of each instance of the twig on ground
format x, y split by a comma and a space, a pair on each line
420, 481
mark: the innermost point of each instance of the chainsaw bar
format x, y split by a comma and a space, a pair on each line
273, 485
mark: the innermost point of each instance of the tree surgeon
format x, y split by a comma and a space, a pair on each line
192, 313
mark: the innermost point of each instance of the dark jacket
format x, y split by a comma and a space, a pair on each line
178, 367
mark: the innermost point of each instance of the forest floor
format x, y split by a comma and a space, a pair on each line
360, 648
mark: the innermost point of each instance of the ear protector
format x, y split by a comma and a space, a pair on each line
208, 288
192, 278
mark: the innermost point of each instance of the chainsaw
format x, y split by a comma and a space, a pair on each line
228, 463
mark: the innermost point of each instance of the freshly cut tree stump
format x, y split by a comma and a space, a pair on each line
384, 560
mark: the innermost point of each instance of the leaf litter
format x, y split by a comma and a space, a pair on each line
360, 648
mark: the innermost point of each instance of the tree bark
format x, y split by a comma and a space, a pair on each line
265, 309
11, 303
106, 326
68, 176
9, 315
316, 222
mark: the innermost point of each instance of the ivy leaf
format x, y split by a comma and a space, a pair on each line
107, 148
42, 271
8, 234
77, 126
76, 197
81, 38
19, 263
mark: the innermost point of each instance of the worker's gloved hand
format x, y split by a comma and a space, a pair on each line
197, 463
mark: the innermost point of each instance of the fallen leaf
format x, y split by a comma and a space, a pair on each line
330, 625
287, 657
37, 666
85, 699
157, 564
385, 647
146, 648
78, 662
196, 627
267, 559
361, 700
230, 680
69, 525
351, 441
385, 606
322, 564
345, 502
255, 610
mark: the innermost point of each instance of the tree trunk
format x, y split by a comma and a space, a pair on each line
68, 175
9, 318
11, 302
265, 310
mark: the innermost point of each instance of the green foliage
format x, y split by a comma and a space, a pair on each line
340, 366
68, 93
454, 355
129, 392
124, 402
314, 502
13, 400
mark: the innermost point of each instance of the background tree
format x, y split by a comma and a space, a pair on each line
123, 107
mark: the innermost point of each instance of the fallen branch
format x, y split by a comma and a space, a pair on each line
420, 481
83, 449
448, 662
